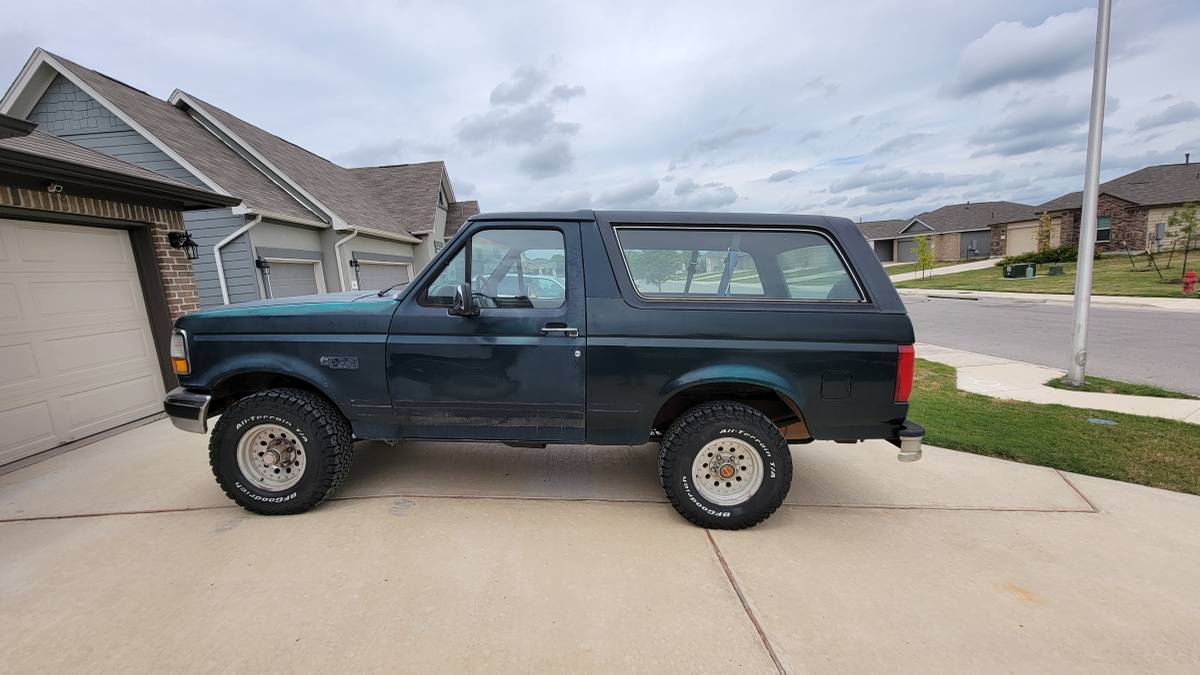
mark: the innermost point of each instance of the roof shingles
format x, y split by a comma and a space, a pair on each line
186, 137
363, 203
1152, 186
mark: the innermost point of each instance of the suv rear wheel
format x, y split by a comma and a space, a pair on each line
280, 451
724, 465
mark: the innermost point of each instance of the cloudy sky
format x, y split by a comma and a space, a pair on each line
868, 109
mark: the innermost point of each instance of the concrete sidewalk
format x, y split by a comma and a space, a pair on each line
1005, 378
125, 556
1121, 301
950, 269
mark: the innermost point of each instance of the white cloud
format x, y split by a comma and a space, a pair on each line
1012, 52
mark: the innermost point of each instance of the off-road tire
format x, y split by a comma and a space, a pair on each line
321, 427
707, 422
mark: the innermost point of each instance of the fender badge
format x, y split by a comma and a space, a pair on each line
340, 362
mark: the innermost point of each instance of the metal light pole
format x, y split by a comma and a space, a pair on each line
1091, 188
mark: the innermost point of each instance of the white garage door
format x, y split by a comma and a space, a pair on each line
374, 276
76, 353
1021, 240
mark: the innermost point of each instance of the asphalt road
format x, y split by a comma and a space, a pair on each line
1134, 345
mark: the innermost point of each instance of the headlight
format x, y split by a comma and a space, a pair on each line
179, 353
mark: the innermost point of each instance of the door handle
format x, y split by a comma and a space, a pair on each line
561, 328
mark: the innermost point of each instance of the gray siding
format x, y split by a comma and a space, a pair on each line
69, 113
983, 244
208, 228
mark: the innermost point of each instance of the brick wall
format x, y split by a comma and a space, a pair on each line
946, 246
1128, 221
173, 265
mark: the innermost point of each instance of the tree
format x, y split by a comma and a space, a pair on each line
924, 253
1045, 227
1183, 223
656, 265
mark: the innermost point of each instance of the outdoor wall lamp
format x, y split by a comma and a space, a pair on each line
184, 241
264, 266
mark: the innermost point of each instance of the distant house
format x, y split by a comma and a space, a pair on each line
1132, 210
882, 235
305, 224
958, 231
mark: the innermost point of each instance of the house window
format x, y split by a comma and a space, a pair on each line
1103, 229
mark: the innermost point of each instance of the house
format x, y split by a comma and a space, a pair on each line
93, 271
303, 225
958, 231
1132, 210
882, 235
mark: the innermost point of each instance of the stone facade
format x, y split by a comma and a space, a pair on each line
173, 265
999, 234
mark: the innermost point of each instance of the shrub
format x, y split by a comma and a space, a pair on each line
1058, 254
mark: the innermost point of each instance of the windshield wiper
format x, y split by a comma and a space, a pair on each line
384, 292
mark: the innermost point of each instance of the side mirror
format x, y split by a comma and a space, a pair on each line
464, 302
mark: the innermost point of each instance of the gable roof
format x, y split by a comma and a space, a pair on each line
975, 216
1151, 186
339, 190
36, 144
407, 191
457, 214
271, 175
881, 229
175, 131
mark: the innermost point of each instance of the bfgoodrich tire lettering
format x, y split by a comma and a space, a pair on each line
320, 429
704, 427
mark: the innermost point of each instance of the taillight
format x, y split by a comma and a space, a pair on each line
906, 358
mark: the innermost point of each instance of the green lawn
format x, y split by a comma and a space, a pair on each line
904, 268
1112, 276
1106, 386
1159, 453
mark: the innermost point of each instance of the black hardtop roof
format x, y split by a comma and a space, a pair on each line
672, 218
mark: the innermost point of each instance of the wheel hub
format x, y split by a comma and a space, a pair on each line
271, 457
727, 471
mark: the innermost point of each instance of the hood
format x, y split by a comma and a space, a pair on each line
350, 312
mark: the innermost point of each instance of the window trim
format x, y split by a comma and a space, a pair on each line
864, 299
1098, 228
422, 296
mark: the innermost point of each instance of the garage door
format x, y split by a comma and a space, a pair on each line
1021, 240
883, 249
76, 353
293, 278
906, 250
374, 276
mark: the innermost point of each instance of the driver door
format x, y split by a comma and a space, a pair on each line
514, 372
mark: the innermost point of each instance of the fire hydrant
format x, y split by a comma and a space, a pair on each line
1189, 283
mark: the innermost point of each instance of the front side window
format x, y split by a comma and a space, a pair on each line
1103, 228
679, 263
507, 269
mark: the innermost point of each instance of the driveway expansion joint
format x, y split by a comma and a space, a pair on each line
737, 589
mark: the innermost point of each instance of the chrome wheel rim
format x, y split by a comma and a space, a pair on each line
727, 471
271, 457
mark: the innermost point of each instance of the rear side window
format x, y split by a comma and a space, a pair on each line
681, 263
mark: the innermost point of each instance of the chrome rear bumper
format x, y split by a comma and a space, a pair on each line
188, 409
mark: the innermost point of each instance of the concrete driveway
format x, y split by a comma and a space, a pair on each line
124, 555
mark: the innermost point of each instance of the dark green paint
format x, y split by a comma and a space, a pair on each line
425, 374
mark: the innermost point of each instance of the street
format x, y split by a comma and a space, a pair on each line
1134, 345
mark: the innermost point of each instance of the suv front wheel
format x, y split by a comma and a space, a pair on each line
280, 451
724, 465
